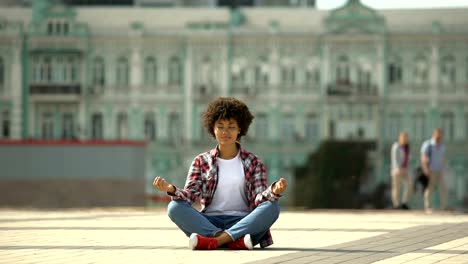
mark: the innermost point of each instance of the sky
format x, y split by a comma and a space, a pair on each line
396, 4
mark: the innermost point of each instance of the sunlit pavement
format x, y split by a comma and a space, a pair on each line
148, 236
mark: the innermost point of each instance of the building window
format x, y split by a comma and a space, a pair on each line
262, 71
421, 70
364, 80
395, 71
206, 72
122, 126
50, 28
288, 72
174, 128
419, 126
5, 124
466, 126
447, 70
175, 71
68, 126
312, 128
72, 68
287, 127
342, 70
66, 28
150, 72
394, 126
97, 126
239, 72
150, 126
47, 125
2, 76
261, 127
448, 126
312, 73
122, 72
98, 71
46, 71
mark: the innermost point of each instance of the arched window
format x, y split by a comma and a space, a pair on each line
122, 126
66, 28
364, 78
122, 72
47, 125
262, 71
175, 128
395, 71
98, 71
288, 131
150, 126
342, 70
312, 72
150, 72
68, 126
420, 70
288, 72
5, 124
175, 71
312, 128
448, 70
2, 76
46, 71
394, 126
419, 126
97, 126
448, 126
261, 127
50, 28
72, 65
239, 72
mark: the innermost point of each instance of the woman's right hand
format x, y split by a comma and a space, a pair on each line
162, 185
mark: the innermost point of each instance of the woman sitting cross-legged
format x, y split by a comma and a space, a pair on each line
238, 207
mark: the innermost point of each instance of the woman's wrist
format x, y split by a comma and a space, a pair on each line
171, 188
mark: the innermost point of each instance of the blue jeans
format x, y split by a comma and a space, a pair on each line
257, 223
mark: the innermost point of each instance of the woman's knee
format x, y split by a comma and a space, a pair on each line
174, 207
273, 209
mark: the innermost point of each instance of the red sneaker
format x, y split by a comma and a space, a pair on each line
197, 242
243, 243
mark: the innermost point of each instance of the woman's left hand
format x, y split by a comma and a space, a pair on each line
280, 186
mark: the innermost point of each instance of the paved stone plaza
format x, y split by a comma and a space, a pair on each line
148, 236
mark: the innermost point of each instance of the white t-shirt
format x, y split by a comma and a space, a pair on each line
229, 197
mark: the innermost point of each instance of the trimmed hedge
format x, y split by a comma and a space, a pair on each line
332, 175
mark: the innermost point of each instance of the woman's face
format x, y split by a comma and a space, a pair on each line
226, 131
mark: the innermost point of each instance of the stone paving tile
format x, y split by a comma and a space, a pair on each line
131, 236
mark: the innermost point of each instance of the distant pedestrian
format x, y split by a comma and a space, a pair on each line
432, 162
400, 155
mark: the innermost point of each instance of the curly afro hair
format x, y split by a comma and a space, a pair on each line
227, 108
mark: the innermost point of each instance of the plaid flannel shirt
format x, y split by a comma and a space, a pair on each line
202, 180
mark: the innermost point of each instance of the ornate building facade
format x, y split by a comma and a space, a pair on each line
118, 73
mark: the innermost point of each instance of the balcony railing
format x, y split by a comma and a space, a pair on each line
349, 89
55, 89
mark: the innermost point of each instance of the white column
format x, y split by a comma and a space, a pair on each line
324, 81
16, 92
434, 74
225, 74
134, 115
274, 114
188, 104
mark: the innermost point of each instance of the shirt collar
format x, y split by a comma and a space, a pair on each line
215, 152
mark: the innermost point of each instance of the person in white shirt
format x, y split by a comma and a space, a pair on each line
400, 155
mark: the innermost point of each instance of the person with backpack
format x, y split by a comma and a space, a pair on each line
432, 162
400, 154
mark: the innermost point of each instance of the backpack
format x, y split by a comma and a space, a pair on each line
421, 178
